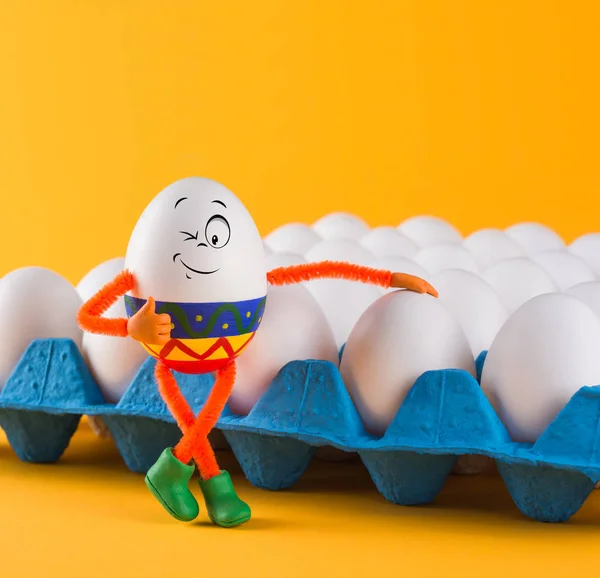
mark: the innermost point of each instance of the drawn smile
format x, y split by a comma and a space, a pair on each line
191, 268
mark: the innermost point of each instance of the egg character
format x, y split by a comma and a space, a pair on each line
195, 290
292, 238
340, 226
112, 361
587, 248
451, 256
535, 238
489, 246
589, 293
544, 353
396, 340
35, 303
564, 268
294, 328
426, 231
474, 304
384, 241
518, 280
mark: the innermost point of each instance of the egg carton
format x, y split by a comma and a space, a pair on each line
444, 415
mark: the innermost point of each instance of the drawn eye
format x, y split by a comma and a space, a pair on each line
189, 236
217, 232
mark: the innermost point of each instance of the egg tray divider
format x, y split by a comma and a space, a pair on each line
444, 415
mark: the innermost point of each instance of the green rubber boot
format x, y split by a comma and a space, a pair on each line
168, 480
224, 507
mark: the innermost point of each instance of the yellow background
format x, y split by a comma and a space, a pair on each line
483, 112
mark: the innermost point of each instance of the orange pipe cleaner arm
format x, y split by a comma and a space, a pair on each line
349, 272
90, 315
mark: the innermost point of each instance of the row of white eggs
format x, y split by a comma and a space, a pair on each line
398, 338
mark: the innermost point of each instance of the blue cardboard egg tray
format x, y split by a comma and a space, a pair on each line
444, 415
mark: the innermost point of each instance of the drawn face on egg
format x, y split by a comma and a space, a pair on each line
196, 242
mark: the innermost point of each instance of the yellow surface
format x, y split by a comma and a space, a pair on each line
483, 112
89, 516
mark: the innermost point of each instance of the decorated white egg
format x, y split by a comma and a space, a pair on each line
198, 253
388, 241
544, 353
474, 304
535, 238
518, 280
293, 328
340, 226
35, 303
564, 268
489, 246
396, 340
427, 231
292, 238
113, 361
587, 247
589, 293
451, 256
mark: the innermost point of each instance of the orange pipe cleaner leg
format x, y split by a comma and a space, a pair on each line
194, 441
173, 398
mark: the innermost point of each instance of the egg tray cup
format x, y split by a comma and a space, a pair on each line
444, 415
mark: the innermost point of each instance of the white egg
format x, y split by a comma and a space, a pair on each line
399, 265
489, 246
277, 260
341, 226
396, 340
589, 293
535, 238
474, 304
293, 328
384, 241
518, 280
427, 231
543, 354
441, 257
587, 247
35, 303
292, 238
113, 361
340, 250
196, 241
564, 268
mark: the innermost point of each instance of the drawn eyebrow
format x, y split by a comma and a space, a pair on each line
179, 201
220, 203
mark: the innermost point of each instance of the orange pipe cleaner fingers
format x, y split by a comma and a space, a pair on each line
329, 270
90, 317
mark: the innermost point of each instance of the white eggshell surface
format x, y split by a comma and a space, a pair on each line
451, 256
564, 268
518, 280
292, 238
293, 328
543, 354
348, 250
427, 231
384, 241
535, 238
489, 246
113, 361
587, 247
474, 304
340, 226
589, 293
35, 303
395, 341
